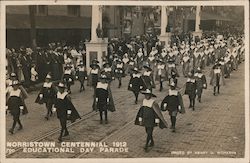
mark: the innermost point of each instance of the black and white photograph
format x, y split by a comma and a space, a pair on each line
125, 80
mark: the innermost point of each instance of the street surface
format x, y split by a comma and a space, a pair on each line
215, 129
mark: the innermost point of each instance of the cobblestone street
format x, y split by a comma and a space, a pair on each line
214, 129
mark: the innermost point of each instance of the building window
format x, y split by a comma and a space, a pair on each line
41, 10
74, 10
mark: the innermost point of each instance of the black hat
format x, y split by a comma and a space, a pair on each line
106, 64
160, 61
94, 64
148, 92
171, 60
95, 61
147, 67
119, 60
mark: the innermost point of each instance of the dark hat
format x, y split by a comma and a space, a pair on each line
171, 60
147, 67
217, 64
148, 92
95, 61
119, 60
160, 61
94, 64
106, 64
173, 72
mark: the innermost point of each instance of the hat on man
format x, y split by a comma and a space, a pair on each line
147, 67
95, 61
106, 64
135, 69
119, 60
160, 61
148, 92
94, 64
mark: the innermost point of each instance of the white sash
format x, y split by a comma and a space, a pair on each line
148, 103
185, 58
15, 93
136, 75
217, 71
81, 68
61, 95
102, 85
171, 65
107, 69
172, 92
191, 80
147, 73
119, 65
67, 72
47, 85
94, 71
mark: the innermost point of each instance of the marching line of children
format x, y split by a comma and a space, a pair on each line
161, 67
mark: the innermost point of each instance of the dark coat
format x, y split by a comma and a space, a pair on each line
173, 101
14, 101
62, 105
201, 81
119, 71
191, 88
68, 78
81, 73
148, 80
135, 83
93, 77
48, 94
216, 78
161, 74
102, 93
149, 114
